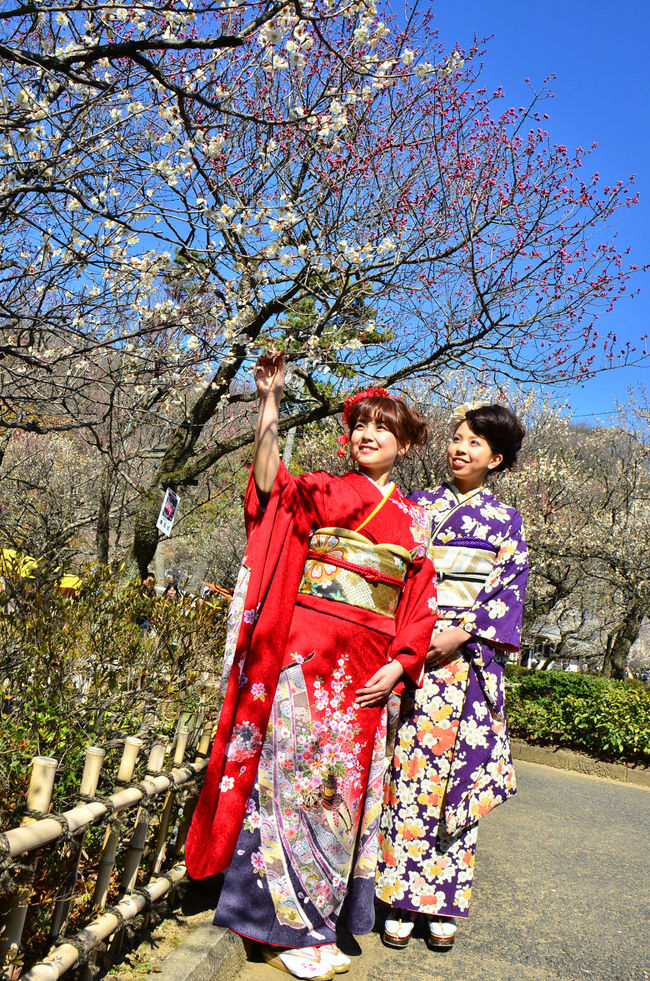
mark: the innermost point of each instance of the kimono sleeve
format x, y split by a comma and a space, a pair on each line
496, 614
278, 537
305, 494
416, 617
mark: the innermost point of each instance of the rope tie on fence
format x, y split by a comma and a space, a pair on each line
99, 799
7, 866
175, 787
114, 911
148, 901
84, 948
140, 785
12, 880
5, 851
183, 794
168, 878
67, 835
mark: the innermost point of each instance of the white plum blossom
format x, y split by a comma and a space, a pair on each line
271, 35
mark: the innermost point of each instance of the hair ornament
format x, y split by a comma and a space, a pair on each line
367, 393
343, 442
460, 412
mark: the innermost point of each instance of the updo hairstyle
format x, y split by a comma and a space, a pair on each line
406, 425
502, 430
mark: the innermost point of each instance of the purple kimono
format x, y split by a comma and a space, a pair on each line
452, 762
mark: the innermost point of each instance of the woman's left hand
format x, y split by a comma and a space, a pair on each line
269, 374
445, 645
378, 688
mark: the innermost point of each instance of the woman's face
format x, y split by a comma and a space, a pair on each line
470, 458
374, 448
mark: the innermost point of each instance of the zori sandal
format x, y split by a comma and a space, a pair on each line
398, 928
441, 932
335, 958
299, 962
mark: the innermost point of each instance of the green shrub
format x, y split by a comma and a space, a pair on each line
92, 669
600, 716
555, 683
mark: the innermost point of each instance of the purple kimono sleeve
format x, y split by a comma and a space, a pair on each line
496, 614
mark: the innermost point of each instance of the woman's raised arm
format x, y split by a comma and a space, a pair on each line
269, 379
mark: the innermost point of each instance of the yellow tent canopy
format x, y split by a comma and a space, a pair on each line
17, 563
14, 562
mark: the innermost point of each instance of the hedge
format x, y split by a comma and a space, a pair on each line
109, 662
604, 717
91, 669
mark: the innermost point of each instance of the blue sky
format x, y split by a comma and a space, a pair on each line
598, 52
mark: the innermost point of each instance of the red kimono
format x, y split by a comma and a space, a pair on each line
336, 584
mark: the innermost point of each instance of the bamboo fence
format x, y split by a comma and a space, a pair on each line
140, 861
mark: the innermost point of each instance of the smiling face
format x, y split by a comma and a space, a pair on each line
470, 458
374, 448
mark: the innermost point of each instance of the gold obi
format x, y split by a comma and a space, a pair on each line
461, 573
344, 566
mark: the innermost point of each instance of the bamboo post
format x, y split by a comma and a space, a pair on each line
204, 741
190, 797
132, 747
142, 822
39, 796
182, 736
90, 778
185, 718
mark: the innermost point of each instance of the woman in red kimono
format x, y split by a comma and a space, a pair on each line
334, 607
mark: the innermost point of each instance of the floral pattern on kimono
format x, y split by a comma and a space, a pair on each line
234, 622
311, 816
452, 761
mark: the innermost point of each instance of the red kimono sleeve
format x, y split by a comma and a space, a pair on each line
415, 620
278, 537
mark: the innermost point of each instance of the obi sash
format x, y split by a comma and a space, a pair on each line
462, 569
346, 567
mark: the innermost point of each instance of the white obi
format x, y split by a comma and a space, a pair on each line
461, 572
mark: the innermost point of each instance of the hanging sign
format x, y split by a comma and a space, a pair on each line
167, 512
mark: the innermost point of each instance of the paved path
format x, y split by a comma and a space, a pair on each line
562, 893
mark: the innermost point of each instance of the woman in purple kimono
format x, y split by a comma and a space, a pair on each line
452, 761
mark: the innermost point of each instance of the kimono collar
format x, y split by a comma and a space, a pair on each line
384, 490
460, 497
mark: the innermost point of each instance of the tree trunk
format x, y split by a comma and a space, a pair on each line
103, 523
618, 644
145, 535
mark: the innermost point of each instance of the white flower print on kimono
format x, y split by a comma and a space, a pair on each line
452, 756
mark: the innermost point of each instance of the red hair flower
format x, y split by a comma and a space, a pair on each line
367, 393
